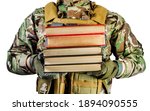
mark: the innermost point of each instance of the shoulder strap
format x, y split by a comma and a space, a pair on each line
100, 13
50, 11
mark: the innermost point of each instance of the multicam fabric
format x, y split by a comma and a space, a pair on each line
74, 9
121, 42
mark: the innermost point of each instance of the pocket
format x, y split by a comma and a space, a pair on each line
85, 84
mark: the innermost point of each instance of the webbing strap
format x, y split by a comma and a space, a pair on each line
59, 85
99, 86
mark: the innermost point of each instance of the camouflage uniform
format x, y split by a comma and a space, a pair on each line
121, 42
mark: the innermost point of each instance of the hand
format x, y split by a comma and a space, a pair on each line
109, 69
38, 64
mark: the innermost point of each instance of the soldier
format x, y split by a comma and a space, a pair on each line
25, 55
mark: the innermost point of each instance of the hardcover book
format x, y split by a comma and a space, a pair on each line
82, 29
72, 51
74, 48
73, 60
75, 36
73, 68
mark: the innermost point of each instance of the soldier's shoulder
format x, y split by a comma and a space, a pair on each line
115, 20
39, 11
114, 16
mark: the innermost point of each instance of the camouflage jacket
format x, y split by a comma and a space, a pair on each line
121, 42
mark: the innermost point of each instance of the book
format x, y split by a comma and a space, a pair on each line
73, 48
75, 36
75, 41
73, 68
73, 60
79, 29
72, 51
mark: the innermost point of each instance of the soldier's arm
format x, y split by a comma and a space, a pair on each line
23, 47
126, 48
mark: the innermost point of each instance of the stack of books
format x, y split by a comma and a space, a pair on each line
74, 48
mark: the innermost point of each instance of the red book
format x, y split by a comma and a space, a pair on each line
75, 36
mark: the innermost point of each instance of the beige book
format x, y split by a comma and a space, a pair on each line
73, 60
72, 51
83, 29
73, 68
75, 41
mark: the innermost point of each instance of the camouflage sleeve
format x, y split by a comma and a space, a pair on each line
126, 48
23, 47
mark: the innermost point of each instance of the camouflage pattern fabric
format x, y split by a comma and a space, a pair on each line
121, 42
74, 9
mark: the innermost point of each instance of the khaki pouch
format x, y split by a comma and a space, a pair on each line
43, 86
85, 84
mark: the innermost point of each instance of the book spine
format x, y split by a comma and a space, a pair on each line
63, 30
73, 68
73, 60
54, 52
68, 35
75, 41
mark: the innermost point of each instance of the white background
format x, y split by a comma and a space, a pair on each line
13, 87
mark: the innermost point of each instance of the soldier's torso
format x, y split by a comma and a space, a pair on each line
75, 83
